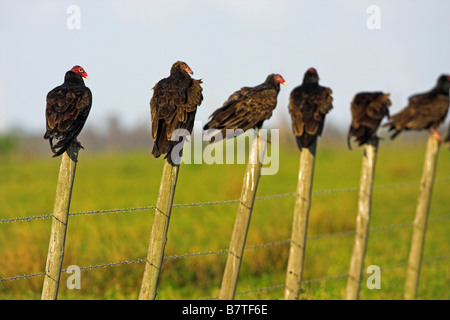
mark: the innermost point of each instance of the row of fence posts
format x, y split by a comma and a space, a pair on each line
158, 237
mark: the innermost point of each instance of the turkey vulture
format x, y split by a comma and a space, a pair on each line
67, 109
424, 111
368, 109
173, 106
248, 107
308, 105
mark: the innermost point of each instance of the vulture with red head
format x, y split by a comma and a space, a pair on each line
67, 109
248, 107
173, 107
308, 105
368, 110
424, 111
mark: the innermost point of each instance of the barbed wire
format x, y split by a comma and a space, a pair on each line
328, 278
174, 257
273, 287
223, 251
24, 276
213, 203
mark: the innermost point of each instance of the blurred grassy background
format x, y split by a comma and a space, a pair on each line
111, 180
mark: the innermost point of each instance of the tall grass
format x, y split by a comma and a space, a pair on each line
128, 180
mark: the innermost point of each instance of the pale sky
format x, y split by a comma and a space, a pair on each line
126, 46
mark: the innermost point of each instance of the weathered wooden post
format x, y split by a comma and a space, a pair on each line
242, 222
300, 223
420, 221
60, 218
362, 218
158, 237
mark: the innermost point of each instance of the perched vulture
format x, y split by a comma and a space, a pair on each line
173, 106
308, 105
247, 108
424, 111
67, 109
368, 109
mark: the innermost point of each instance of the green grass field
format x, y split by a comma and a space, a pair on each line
131, 179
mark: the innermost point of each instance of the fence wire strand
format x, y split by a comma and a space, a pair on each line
214, 203
256, 246
328, 278
268, 244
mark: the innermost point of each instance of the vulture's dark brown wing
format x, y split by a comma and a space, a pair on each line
368, 110
424, 111
173, 106
66, 113
245, 109
308, 106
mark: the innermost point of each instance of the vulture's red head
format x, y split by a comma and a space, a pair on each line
279, 79
311, 76
79, 70
181, 66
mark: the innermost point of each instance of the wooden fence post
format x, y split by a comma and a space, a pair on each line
158, 237
300, 223
60, 219
420, 221
362, 219
239, 236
